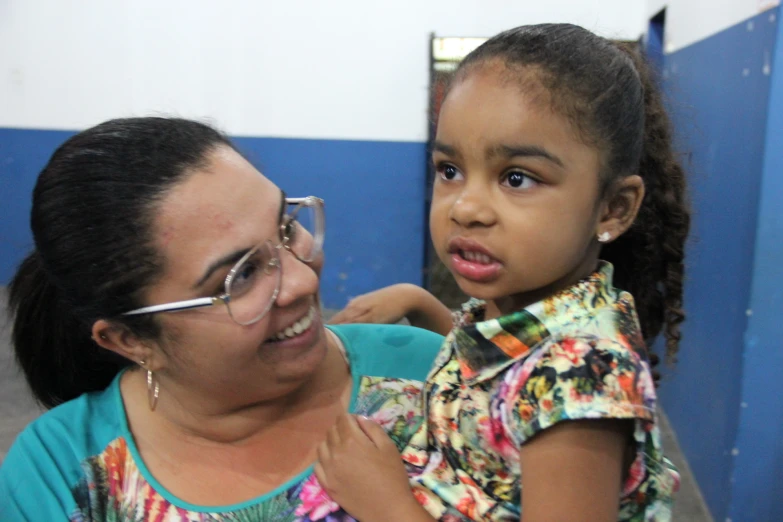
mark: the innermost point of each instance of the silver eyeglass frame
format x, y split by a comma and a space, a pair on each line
225, 298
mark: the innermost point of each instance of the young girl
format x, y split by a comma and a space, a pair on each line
556, 188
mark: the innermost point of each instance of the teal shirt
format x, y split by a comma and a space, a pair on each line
78, 461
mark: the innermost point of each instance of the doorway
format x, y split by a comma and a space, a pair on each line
445, 55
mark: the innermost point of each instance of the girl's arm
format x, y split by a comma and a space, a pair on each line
391, 304
574, 468
575, 471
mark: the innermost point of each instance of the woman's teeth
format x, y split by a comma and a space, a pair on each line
297, 328
476, 257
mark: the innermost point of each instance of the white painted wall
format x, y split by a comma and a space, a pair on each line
689, 21
345, 69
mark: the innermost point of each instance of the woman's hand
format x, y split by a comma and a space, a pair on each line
391, 304
360, 468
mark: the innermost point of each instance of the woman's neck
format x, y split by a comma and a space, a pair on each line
180, 416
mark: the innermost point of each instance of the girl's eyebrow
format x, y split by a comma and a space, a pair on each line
505, 151
438, 146
528, 151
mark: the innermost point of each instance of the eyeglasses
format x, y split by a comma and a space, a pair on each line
252, 285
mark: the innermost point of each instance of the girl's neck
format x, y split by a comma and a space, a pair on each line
515, 302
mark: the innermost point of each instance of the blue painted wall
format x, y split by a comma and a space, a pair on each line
719, 95
374, 193
758, 473
23, 153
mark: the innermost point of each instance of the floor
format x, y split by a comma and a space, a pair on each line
17, 409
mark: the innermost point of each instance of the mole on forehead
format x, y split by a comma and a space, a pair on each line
206, 221
222, 221
166, 236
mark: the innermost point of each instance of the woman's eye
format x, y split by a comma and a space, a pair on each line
519, 180
245, 276
245, 273
448, 172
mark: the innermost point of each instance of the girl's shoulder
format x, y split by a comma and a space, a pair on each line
576, 378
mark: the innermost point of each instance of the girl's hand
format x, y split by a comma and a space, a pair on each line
360, 468
388, 305
391, 304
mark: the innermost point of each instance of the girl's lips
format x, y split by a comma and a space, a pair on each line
462, 244
475, 270
472, 260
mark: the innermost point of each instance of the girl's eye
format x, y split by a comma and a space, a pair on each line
448, 172
518, 180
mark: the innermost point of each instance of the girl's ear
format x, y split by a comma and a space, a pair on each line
620, 207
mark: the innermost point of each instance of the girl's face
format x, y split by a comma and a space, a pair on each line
515, 208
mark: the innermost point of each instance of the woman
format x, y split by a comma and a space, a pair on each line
170, 312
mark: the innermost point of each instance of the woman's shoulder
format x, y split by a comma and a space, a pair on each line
44, 462
92, 412
75, 423
384, 350
73, 429
397, 335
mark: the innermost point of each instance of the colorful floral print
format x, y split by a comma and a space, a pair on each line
497, 383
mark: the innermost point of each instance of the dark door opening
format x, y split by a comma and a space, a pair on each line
445, 55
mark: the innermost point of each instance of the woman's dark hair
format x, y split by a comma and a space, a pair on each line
92, 220
606, 91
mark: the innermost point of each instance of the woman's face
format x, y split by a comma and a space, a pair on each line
204, 224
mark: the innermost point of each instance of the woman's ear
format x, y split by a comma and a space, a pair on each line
120, 340
619, 210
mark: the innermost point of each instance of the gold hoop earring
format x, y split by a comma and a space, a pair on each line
153, 390
153, 387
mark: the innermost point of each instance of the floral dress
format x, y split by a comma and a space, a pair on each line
497, 383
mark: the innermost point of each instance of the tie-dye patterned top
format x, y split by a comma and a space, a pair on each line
497, 383
78, 462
